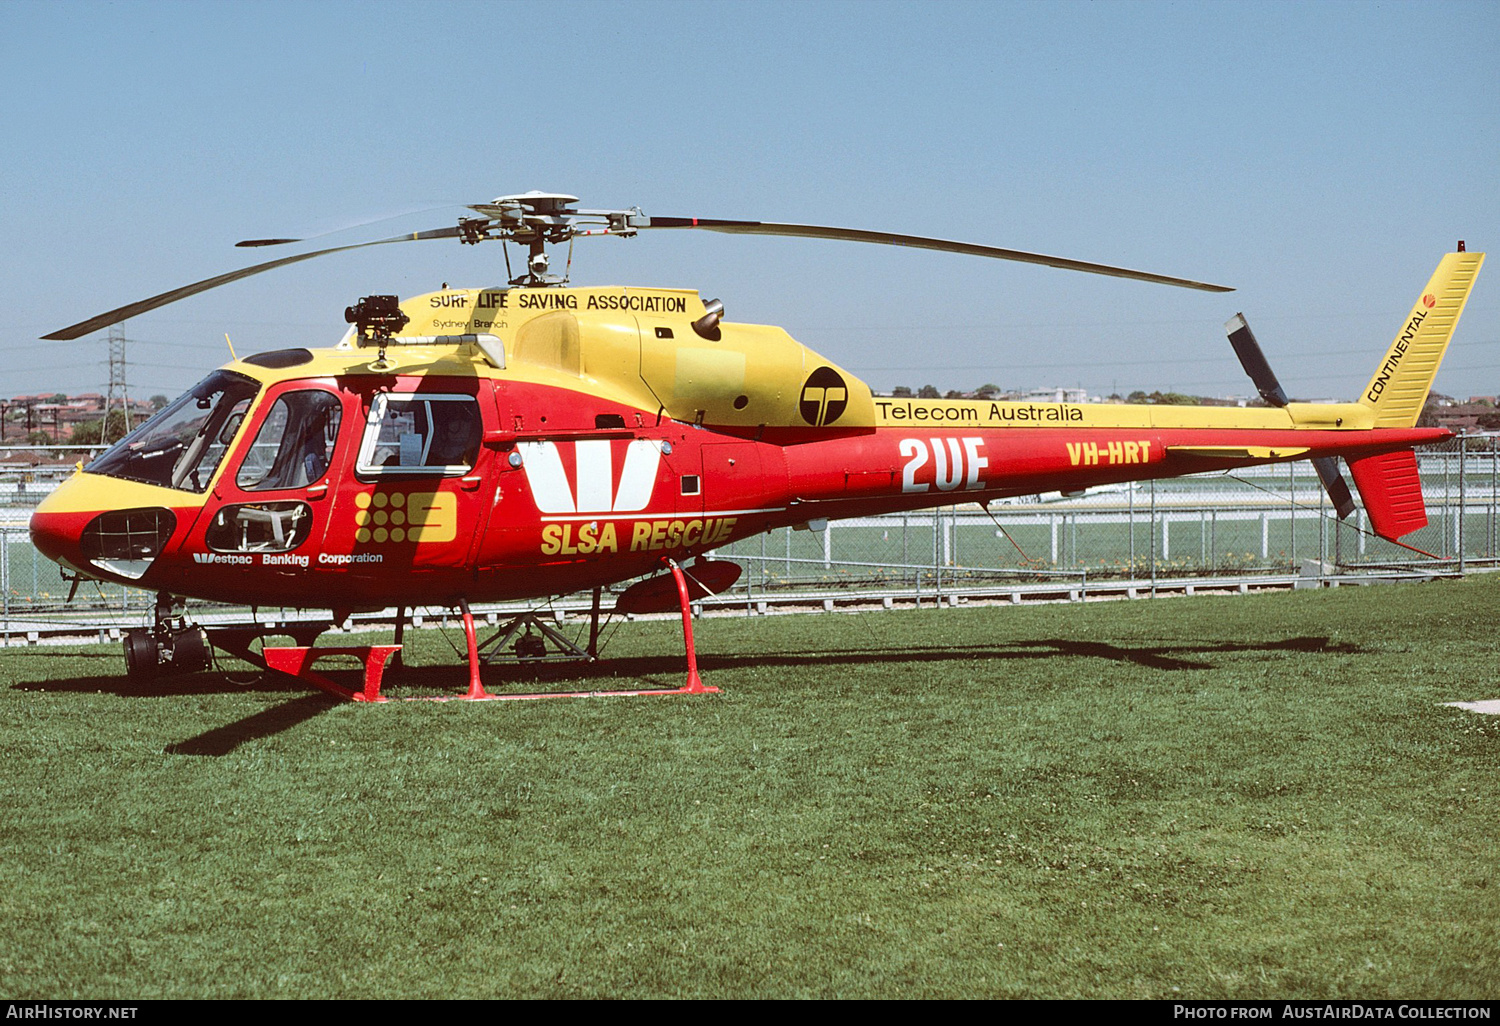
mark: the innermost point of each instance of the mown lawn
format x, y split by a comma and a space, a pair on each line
1256, 796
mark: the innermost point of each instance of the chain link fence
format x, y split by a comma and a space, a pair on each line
1251, 527
1260, 520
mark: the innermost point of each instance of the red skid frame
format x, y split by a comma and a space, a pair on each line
297, 661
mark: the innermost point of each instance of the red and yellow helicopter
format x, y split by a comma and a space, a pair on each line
536, 439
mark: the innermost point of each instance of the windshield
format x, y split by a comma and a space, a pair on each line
182, 445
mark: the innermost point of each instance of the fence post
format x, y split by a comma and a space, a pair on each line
1152, 535
1338, 546
750, 584
1463, 495
1322, 533
1291, 481
1213, 541
5, 579
1447, 506
937, 554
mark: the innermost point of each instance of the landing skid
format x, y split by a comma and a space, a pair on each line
297, 661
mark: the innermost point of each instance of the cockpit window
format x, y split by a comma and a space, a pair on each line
428, 434
182, 445
295, 444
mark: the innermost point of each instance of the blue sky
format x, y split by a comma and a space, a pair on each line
1319, 157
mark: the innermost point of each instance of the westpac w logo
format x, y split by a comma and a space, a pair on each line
597, 489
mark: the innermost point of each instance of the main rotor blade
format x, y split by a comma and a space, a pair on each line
813, 231
119, 314
250, 243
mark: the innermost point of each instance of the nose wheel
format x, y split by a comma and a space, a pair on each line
171, 646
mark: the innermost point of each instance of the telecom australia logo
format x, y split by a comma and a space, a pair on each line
824, 397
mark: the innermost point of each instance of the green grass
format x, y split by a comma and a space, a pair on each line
1241, 797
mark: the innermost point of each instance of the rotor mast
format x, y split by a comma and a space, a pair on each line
537, 220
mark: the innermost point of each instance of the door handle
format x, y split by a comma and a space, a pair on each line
317, 491
471, 482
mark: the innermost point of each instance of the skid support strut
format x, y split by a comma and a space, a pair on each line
694, 683
692, 686
476, 689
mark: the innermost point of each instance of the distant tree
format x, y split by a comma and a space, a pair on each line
1489, 421
986, 391
88, 432
928, 392
58, 398
1137, 397
159, 401
1114, 397
901, 392
953, 393
1171, 399
39, 438
1429, 417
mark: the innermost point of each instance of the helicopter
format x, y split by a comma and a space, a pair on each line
539, 439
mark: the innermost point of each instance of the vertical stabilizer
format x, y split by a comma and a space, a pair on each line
1392, 491
1401, 383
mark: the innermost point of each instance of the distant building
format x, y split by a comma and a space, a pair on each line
1059, 395
1463, 416
57, 420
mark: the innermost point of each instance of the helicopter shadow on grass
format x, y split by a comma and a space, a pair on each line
219, 740
656, 671
666, 670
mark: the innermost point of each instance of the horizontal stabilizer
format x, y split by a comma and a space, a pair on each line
1238, 452
659, 594
1392, 492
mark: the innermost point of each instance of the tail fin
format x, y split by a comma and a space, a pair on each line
1392, 492
1400, 385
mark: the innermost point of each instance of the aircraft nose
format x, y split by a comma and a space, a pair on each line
56, 535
